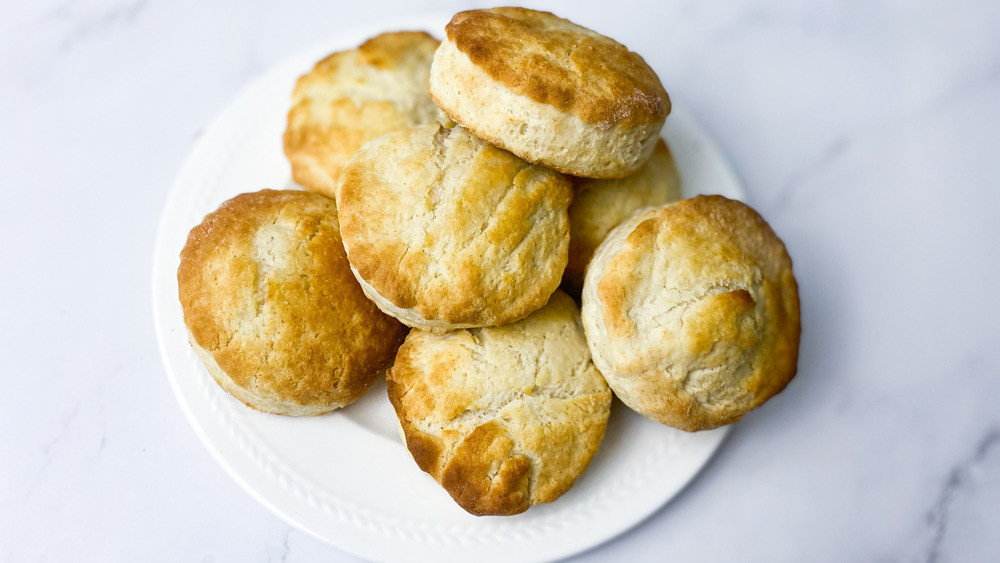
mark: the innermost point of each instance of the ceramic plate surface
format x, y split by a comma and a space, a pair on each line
346, 477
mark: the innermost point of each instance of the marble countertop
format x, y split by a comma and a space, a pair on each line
866, 133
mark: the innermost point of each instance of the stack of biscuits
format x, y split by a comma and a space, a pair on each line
461, 198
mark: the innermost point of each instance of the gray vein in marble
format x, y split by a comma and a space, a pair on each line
963, 88
840, 147
85, 28
64, 423
831, 154
958, 480
286, 549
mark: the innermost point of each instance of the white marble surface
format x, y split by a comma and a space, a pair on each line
866, 132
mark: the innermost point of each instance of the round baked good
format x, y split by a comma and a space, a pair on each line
273, 310
446, 231
599, 205
549, 91
692, 312
503, 417
353, 96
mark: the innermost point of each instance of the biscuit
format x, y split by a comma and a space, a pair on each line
504, 417
599, 205
273, 310
692, 312
446, 231
353, 96
549, 91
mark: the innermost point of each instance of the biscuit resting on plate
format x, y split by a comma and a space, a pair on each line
353, 96
503, 417
549, 91
599, 205
273, 309
692, 312
446, 231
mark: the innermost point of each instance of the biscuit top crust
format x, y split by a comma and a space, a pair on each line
267, 290
374, 72
701, 292
554, 61
441, 222
503, 417
599, 205
356, 95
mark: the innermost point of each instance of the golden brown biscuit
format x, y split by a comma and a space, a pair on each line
273, 309
504, 417
446, 231
354, 96
549, 91
692, 312
599, 205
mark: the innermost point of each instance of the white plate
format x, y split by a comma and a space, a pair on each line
346, 477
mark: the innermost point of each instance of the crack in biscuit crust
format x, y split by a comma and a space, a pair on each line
273, 309
354, 96
692, 312
446, 231
503, 417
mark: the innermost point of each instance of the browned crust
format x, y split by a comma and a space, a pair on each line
515, 456
722, 239
474, 127
600, 205
321, 137
553, 61
388, 51
304, 334
470, 477
499, 205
